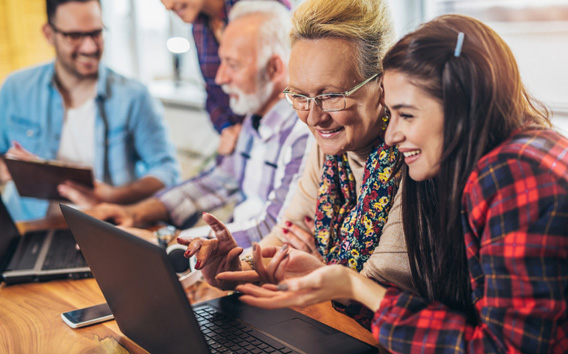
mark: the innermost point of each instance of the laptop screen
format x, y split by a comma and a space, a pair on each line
139, 283
9, 236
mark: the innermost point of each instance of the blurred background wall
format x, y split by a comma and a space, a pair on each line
21, 40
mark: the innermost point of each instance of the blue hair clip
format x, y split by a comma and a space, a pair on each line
459, 44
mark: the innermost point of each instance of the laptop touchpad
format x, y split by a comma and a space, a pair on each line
297, 331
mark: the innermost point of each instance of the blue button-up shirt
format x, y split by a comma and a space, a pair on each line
32, 113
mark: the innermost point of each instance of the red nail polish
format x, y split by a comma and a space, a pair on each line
285, 230
308, 219
288, 223
197, 264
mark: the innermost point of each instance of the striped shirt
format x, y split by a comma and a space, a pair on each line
515, 221
265, 166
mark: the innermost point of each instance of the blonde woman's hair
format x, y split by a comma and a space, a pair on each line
365, 23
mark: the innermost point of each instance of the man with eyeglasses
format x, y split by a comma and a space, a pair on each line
78, 111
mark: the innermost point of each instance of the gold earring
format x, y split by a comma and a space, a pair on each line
385, 120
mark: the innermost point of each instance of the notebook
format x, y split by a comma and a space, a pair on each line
139, 283
39, 255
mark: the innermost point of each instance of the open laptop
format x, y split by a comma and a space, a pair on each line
39, 255
139, 283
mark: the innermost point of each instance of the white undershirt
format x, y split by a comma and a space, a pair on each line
77, 144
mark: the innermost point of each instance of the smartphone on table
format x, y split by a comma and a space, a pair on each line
87, 316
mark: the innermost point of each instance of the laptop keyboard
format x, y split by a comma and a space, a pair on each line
226, 335
62, 252
28, 251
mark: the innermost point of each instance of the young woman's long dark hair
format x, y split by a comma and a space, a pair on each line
483, 101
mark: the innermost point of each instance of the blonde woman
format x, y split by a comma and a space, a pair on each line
347, 187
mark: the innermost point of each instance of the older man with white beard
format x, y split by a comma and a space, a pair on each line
271, 146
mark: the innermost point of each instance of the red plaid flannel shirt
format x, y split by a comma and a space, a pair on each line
515, 221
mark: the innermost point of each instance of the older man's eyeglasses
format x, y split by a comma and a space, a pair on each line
76, 38
328, 102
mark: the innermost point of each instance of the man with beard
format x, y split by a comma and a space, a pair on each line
270, 148
78, 111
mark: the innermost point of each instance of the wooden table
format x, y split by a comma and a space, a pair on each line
30, 318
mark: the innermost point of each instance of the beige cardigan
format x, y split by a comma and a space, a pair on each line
389, 261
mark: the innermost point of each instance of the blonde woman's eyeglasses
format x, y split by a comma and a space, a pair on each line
328, 102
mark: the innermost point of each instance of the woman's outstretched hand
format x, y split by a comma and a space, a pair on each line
214, 256
334, 282
286, 263
325, 283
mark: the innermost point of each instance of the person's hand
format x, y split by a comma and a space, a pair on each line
86, 197
326, 283
286, 263
228, 139
300, 239
113, 213
18, 152
214, 256
4, 173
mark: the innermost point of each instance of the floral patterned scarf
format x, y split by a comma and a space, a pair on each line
348, 228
